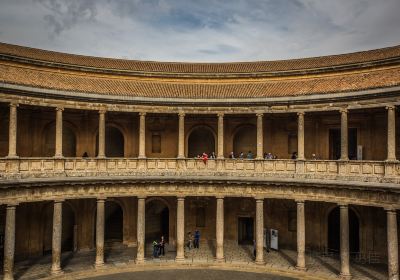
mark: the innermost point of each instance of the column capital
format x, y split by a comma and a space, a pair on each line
220, 115
180, 198
390, 209
219, 197
12, 205
260, 115
59, 108
259, 199
343, 110
14, 105
101, 199
181, 114
298, 201
390, 107
59, 200
142, 114
343, 205
102, 111
301, 113
141, 197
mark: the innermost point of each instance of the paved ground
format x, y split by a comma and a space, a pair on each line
192, 274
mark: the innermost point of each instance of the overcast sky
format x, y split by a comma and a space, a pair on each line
201, 30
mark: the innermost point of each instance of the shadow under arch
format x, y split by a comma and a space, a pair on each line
158, 219
200, 139
69, 139
245, 139
114, 141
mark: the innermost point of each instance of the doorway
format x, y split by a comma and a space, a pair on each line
334, 231
245, 230
157, 221
335, 143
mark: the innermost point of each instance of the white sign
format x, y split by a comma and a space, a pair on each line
274, 239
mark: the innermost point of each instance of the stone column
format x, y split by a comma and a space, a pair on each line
301, 236
344, 242
260, 136
141, 219
220, 153
181, 139
391, 133
57, 230
300, 135
100, 233
344, 150
9, 243
142, 135
259, 231
180, 230
102, 134
392, 244
12, 133
59, 129
220, 230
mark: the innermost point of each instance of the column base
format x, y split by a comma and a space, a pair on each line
220, 260
141, 157
58, 157
101, 157
56, 271
99, 265
301, 268
12, 157
345, 276
139, 261
257, 262
179, 259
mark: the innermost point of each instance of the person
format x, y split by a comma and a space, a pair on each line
254, 248
314, 156
204, 157
232, 155
213, 156
190, 240
294, 155
162, 246
265, 156
197, 239
249, 155
241, 155
155, 249
85, 154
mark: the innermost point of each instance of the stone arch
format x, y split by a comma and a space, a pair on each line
114, 141
114, 221
69, 139
159, 220
245, 139
200, 138
333, 229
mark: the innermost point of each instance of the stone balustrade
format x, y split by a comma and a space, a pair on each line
364, 171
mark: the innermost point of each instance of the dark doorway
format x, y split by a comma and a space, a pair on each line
113, 222
157, 221
114, 142
334, 143
245, 230
200, 140
334, 231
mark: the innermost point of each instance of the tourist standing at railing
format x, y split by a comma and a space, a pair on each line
162, 246
197, 239
213, 156
249, 155
241, 155
232, 155
294, 155
204, 157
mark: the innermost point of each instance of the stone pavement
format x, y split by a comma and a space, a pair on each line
119, 257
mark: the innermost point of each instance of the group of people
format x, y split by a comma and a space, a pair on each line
193, 240
159, 247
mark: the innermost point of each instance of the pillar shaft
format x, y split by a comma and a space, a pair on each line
59, 132
100, 233
102, 134
141, 219
142, 135
300, 135
392, 243
181, 139
259, 231
260, 136
344, 242
56, 244
391, 133
9, 243
180, 229
344, 150
12, 133
301, 236
220, 229
220, 153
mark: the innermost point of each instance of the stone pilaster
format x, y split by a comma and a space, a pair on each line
344, 242
391, 133
301, 236
100, 233
392, 244
259, 231
300, 135
12, 133
344, 150
57, 230
141, 219
59, 133
142, 135
220, 153
260, 136
181, 137
102, 134
219, 255
180, 230
9, 243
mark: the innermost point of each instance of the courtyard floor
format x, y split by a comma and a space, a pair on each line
120, 259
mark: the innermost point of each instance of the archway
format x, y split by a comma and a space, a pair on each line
201, 139
245, 140
157, 220
114, 142
113, 222
68, 141
334, 231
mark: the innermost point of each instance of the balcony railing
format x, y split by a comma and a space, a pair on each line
364, 171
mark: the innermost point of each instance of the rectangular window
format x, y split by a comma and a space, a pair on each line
156, 144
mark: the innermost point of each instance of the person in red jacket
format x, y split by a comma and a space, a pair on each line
204, 157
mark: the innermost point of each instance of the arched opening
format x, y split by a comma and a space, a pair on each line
68, 141
114, 142
334, 231
157, 220
245, 140
201, 140
68, 234
113, 222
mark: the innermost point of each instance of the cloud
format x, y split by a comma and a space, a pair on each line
207, 30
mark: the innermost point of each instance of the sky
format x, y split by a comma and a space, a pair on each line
201, 30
